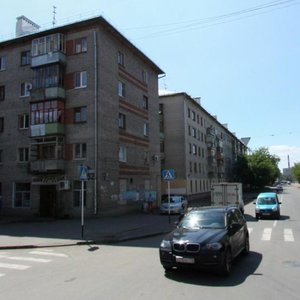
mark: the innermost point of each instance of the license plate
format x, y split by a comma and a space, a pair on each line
185, 260
266, 214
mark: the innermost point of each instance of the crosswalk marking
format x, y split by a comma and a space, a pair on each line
14, 266
48, 253
266, 236
288, 235
33, 259
250, 230
1, 274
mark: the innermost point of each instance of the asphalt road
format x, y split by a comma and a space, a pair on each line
131, 270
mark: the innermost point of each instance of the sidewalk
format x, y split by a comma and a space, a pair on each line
16, 234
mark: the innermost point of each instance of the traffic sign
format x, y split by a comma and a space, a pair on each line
168, 174
83, 173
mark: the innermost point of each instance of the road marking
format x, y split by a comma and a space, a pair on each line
41, 260
266, 236
14, 266
274, 223
250, 230
48, 253
1, 274
288, 235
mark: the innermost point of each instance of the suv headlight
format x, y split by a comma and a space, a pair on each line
214, 246
275, 208
165, 245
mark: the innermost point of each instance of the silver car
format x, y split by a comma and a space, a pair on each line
177, 205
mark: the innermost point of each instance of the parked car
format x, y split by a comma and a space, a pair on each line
267, 205
206, 238
177, 205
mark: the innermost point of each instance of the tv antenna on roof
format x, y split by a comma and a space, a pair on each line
54, 13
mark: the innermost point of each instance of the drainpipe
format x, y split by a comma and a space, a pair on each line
95, 122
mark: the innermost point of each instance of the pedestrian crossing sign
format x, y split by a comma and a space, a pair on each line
168, 174
83, 172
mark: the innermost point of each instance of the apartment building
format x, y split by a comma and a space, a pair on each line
195, 145
78, 116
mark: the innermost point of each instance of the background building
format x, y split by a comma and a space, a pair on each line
193, 143
75, 98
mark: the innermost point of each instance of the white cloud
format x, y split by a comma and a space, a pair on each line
285, 151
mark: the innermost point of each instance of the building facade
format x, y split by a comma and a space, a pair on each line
200, 149
78, 116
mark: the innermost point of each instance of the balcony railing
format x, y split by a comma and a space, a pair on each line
45, 166
38, 94
47, 129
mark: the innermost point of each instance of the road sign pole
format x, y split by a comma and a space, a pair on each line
82, 208
169, 200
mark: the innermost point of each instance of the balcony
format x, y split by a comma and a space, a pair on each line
47, 129
47, 166
38, 94
48, 58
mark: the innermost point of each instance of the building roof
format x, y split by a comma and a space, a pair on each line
80, 24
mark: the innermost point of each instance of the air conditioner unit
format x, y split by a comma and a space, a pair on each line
64, 185
28, 86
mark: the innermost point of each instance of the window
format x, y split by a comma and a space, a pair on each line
1, 152
81, 45
25, 58
23, 154
77, 193
22, 194
122, 154
80, 114
49, 76
25, 89
47, 112
81, 79
145, 102
2, 92
194, 151
146, 129
122, 121
193, 116
46, 44
79, 151
121, 58
1, 124
23, 121
194, 132
49, 148
121, 89
195, 167
2, 63
145, 76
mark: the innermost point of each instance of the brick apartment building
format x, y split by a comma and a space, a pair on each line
196, 145
75, 97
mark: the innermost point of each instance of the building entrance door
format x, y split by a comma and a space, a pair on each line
47, 200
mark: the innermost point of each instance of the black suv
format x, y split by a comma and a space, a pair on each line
206, 238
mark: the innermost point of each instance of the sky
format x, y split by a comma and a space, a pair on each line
241, 57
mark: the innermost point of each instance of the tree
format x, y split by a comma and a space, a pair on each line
257, 169
296, 171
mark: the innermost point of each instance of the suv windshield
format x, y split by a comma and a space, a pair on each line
203, 219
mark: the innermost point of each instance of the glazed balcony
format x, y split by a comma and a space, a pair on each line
47, 59
48, 166
47, 129
38, 94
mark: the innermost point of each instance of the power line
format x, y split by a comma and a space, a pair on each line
217, 20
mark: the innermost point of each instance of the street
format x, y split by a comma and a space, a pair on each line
131, 270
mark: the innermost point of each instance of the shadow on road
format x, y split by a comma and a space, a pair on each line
243, 267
